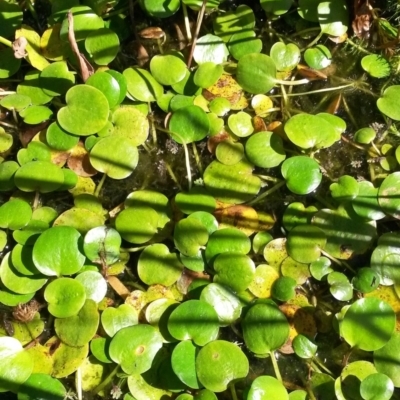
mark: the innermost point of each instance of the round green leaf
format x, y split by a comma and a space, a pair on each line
95, 285
271, 7
56, 79
302, 174
157, 265
366, 280
285, 56
195, 320
235, 270
318, 57
376, 387
189, 236
160, 9
144, 228
15, 102
346, 232
118, 164
190, 124
210, 48
59, 139
333, 19
168, 69
197, 200
86, 112
85, 22
376, 65
39, 385
227, 240
225, 303
340, 287
374, 335
130, 123
135, 347
219, 364
183, 360
107, 85
305, 242
33, 115
9, 65
7, 171
345, 189
387, 359
66, 296
320, 268
16, 366
207, 74
283, 289
256, 73
265, 328
141, 85
233, 184
102, 244
102, 45
242, 43
15, 214
57, 251
311, 131
241, 124
364, 135
114, 319
366, 204
304, 347
265, 387
387, 104
31, 87
389, 195
265, 149
79, 329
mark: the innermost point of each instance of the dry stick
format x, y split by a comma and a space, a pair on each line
118, 286
85, 66
196, 34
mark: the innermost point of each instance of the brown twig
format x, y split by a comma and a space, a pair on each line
196, 34
84, 64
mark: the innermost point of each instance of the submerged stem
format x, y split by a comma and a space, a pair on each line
266, 193
342, 264
291, 83
78, 383
197, 158
233, 391
187, 24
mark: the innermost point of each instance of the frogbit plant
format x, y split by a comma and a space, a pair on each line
197, 201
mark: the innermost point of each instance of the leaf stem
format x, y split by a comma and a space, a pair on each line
6, 42
321, 365
172, 175
275, 365
342, 264
291, 83
313, 42
358, 47
78, 383
197, 158
331, 89
266, 193
106, 381
233, 391
187, 23
197, 31
100, 185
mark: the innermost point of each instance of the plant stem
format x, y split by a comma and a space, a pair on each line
358, 47
36, 18
197, 31
36, 201
305, 31
233, 391
331, 89
266, 193
6, 92
291, 83
106, 381
100, 185
275, 365
349, 113
197, 158
268, 178
78, 383
6, 42
172, 175
322, 366
187, 23
133, 249
313, 42
336, 261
